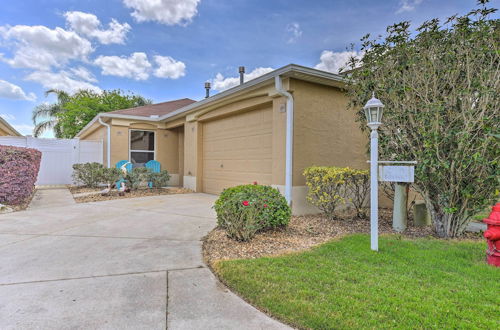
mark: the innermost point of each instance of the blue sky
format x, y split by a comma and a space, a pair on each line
167, 49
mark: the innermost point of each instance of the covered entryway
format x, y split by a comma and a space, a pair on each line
237, 150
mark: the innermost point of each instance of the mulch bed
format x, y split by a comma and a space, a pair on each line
97, 197
303, 232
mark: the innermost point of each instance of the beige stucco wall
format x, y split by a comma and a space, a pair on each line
325, 132
192, 155
119, 144
279, 139
100, 134
180, 148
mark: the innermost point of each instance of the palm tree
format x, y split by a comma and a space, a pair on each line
44, 116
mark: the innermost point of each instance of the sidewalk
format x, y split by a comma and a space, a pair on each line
51, 197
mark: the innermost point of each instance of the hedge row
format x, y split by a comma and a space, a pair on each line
18, 173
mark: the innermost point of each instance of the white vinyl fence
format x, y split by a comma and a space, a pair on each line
58, 156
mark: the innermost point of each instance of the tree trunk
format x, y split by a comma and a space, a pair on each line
445, 224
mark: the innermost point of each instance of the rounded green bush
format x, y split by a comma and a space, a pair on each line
244, 210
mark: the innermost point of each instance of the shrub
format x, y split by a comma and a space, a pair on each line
136, 177
439, 84
358, 186
88, 174
326, 188
240, 223
331, 186
110, 175
244, 210
159, 179
18, 173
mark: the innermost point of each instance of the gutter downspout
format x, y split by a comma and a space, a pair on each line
289, 138
108, 141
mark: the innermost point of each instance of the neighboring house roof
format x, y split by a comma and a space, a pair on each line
158, 109
290, 70
9, 130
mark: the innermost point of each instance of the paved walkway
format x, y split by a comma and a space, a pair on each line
122, 264
51, 197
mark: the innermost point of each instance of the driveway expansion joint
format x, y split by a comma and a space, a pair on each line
101, 276
98, 236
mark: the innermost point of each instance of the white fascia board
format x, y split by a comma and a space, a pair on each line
115, 115
88, 125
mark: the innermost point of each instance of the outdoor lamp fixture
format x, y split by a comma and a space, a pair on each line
373, 111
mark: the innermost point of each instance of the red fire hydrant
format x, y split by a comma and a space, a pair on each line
492, 234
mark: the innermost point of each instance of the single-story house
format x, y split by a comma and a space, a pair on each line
267, 130
7, 130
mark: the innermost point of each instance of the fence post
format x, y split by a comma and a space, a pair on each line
76, 150
30, 141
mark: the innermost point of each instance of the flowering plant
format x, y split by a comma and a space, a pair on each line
244, 210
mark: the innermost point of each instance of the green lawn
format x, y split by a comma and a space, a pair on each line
422, 283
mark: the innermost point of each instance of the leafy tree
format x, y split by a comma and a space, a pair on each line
45, 115
84, 105
440, 85
72, 112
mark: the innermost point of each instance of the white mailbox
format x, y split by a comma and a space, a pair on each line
396, 173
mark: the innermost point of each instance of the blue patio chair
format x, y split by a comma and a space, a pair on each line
155, 167
119, 166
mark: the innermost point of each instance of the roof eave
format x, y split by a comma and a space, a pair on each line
114, 115
9, 127
285, 71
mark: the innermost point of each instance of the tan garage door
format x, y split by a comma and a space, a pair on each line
237, 150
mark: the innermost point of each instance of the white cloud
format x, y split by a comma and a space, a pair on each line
169, 68
220, 83
168, 12
24, 129
334, 61
407, 5
39, 47
84, 74
7, 116
135, 66
14, 92
89, 25
295, 32
62, 80
138, 67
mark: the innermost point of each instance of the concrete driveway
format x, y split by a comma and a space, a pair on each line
122, 264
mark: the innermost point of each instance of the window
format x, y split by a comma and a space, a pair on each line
142, 147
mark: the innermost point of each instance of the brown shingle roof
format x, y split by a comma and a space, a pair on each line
159, 109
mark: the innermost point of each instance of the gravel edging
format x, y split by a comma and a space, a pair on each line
87, 195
